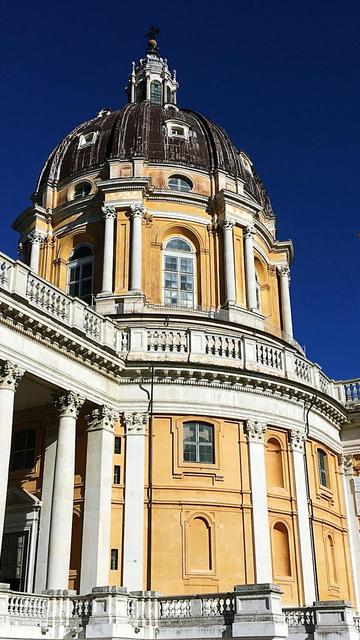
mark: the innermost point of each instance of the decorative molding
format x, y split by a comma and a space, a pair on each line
137, 211
101, 418
255, 430
10, 375
297, 440
109, 211
69, 404
135, 423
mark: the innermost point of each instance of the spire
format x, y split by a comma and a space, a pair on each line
151, 79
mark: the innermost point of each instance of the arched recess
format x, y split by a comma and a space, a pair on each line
274, 464
331, 560
199, 545
263, 286
75, 555
281, 551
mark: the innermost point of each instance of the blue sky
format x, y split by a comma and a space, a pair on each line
282, 77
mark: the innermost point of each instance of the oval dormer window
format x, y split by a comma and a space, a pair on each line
82, 189
180, 183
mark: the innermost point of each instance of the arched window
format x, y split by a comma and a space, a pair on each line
179, 272
281, 551
199, 545
323, 468
155, 92
179, 183
198, 442
274, 466
82, 189
80, 273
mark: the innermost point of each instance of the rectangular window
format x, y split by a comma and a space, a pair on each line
23, 450
114, 560
117, 444
117, 474
322, 465
198, 442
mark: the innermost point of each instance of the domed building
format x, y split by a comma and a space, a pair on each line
162, 430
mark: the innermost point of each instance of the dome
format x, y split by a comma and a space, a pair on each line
140, 130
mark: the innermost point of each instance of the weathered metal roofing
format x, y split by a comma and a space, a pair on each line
139, 129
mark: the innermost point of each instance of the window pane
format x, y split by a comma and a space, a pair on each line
30, 438
74, 274
186, 265
85, 287
116, 474
117, 444
170, 280
206, 454
205, 433
178, 244
29, 459
155, 92
189, 432
87, 270
186, 283
187, 298
190, 453
170, 263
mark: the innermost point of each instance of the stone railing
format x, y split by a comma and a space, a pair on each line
219, 345
252, 611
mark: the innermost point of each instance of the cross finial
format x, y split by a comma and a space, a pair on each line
152, 44
152, 33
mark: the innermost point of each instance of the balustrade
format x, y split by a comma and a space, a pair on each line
28, 606
167, 341
222, 346
300, 616
269, 356
48, 298
302, 369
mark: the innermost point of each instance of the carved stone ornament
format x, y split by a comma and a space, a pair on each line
109, 211
10, 375
255, 430
69, 404
137, 211
249, 232
297, 440
135, 423
227, 223
347, 463
284, 272
36, 237
101, 418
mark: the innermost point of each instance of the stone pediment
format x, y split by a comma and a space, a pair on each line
20, 499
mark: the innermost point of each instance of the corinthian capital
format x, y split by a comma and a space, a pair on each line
347, 463
10, 375
227, 223
255, 430
137, 210
297, 440
69, 404
36, 237
109, 211
249, 232
135, 423
101, 418
284, 272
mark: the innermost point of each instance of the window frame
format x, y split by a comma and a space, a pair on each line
159, 96
197, 442
80, 262
323, 470
176, 124
178, 254
23, 450
179, 177
85, 141
181, 468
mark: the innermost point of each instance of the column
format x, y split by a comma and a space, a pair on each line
35, 238
68, 406
297, 445
10, 375
46, 503
95, 553
261, 534
284, 273
108, 260
137, 212
133, 558
229, 261
250, 278
353, 524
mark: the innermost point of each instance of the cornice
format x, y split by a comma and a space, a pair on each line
122, 184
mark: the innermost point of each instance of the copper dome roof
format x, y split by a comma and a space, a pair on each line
139, 129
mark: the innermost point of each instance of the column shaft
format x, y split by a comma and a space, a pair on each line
250, 277
229, 262
137, 213
261, 534
95, 555
9, 377
45, 514
133, 558
108, 260
285, 300
297, 439
63, 494
353, 526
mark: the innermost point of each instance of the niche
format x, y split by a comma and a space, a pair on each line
281, 551
199, 545
274, 464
